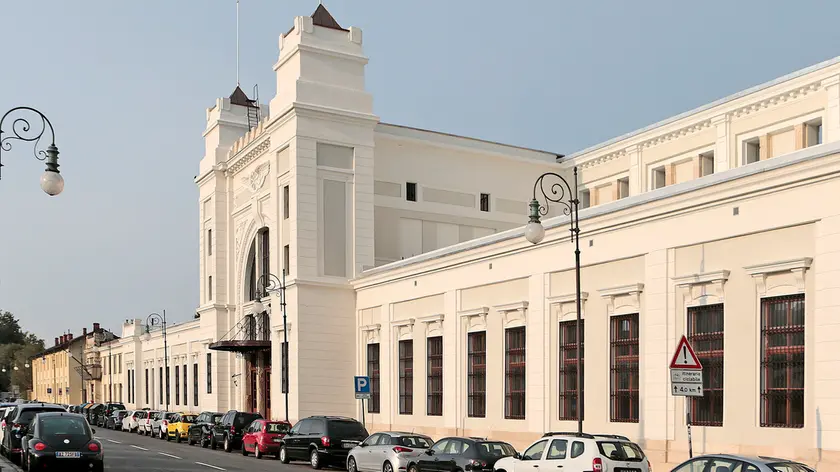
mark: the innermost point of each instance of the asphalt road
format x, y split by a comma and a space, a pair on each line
132, 452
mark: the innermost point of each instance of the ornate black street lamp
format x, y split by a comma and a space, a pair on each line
557, 192
21, 130
152, 321
268, 284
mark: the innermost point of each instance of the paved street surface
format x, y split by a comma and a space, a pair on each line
132, 452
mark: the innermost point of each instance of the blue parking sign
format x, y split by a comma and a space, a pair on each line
361, 385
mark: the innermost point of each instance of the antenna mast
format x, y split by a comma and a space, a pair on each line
237, 43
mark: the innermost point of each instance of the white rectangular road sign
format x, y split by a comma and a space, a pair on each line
687, 376
687, 390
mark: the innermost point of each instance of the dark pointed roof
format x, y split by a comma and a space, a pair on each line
238, 97
322, 17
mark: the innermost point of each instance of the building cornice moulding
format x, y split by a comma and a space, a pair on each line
567, 298
480, 311
431, 318
510, 307
621, 290
236, 164
401, 323
779, 266
701, 278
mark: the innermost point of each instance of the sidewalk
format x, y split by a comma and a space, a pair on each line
7, 466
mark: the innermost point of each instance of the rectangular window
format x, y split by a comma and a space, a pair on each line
265, 254
783, 361
160, 384
209, 242
568, 362
658, 178
285, 202
623, 187
476, 374
707, 163
411, 191
515, 373
146, 384
209, 374
705, 334
168, 376
177, 390
813, 132
195, 384
121, 397
752, 151
286, 259
210, 288
284, 367
584, 198
434, 376
406, 374
373, 375
624, 368
485, 202
184, 372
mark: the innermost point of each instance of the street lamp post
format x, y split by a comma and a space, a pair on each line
153, 320
21, 130
557, 192
266, 285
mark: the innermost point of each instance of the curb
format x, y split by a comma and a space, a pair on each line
7, 466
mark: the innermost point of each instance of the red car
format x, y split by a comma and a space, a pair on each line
263, 437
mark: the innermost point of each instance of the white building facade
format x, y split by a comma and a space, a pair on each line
403, 257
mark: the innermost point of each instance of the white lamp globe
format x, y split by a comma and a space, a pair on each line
258, 307
534, 232
52, 183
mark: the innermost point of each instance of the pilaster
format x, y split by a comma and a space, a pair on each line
536, 356
831, 126
636, 177
657, 405
722, 143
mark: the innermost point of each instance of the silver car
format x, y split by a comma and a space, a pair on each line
387, 451
729, 463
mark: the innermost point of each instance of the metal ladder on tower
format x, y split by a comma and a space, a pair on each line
254, 109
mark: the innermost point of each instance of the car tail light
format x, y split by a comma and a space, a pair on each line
477, 463
17, 426
93, 447
165, 423
40, 446
597, 464
232, 429
325, 441
400, 449
650, 468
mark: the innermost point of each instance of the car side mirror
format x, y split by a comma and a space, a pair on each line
517, 456
362, 445
430, 452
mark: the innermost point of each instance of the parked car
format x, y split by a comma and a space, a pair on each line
4, 410
228, 431
62, 441
726, 462
114, 420
160, 423
323, 440
200, 431
456, 453
264, 437
109, 408
387, 451
17, 424
132, 420
179, 425
579, 451
144, 424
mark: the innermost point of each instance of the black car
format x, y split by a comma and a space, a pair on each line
199, 432
107, 410
228, 431
322, 440
17, 424
62, 441
114, 420
451, 454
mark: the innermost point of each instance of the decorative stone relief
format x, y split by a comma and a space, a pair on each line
256, 179
434, 325
404, 328
370, 333
772, 278
624, 299
513, 314
475, 319
567, 305
703, 287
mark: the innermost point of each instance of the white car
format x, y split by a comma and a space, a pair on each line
577, 452
3, 412
144, 423
160, 424
131, 421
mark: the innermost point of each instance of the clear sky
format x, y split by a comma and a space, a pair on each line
126, 84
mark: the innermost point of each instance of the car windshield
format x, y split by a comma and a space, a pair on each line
244, 419
495, 449
621, 450
788, 467
277, 428
216, 418
169, 416
188, 418
415, 441
27, 415
51, 426
347, 429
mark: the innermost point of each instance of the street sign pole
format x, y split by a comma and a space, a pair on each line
688, 425
686, 380
361, 386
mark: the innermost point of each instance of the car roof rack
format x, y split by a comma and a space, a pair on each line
569, 433
612, 436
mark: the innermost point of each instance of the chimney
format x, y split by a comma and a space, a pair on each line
84, 332
69, 336
56, 341
96, 327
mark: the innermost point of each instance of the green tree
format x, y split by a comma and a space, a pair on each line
16, 349
10, 331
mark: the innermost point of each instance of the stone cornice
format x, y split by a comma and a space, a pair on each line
567, 298
237, 163
701, 278
779, 266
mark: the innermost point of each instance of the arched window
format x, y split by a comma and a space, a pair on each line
265, 254
251, 273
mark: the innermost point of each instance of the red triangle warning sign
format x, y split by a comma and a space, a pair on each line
684, 357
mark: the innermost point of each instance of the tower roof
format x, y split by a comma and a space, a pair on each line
321, 17
238, 97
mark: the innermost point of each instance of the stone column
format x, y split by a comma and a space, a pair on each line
637, 174
722, 145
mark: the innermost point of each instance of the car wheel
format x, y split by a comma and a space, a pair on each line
178, 437
244, 451
315, 459
257, 452
190, 440
412, 468
227, 445
213, 444
387, 467
167, 437
203, 442
351, 465
284, 458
